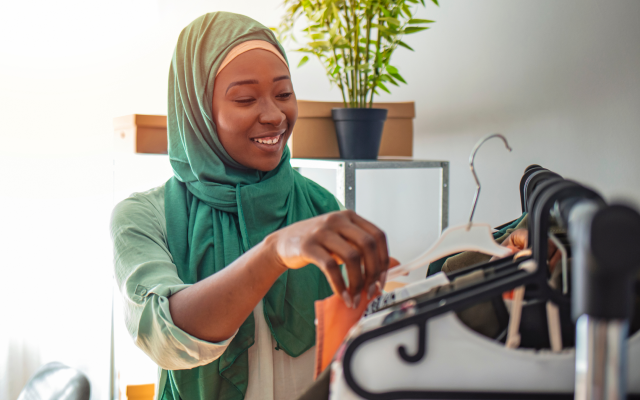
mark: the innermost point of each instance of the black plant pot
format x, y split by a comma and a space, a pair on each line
359, 131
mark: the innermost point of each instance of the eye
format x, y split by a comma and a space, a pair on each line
284, 96
244, 100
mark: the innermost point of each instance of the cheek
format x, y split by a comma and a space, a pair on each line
226, 119
230, 123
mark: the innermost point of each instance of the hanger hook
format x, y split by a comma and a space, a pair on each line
472, 159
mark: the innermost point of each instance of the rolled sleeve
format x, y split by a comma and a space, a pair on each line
147, 277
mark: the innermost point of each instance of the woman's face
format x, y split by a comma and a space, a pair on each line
254, 109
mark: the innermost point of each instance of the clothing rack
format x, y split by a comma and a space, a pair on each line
606, 257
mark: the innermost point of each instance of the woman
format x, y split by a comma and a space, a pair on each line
214, 265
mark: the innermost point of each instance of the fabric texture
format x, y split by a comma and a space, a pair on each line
216, 209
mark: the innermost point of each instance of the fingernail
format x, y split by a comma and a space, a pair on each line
372, 290
347, 299
356, 301
383, 277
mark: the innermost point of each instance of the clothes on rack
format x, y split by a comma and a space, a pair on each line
419, 346
498, 235
469, 258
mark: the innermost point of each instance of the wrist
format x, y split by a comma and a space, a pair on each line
270, 253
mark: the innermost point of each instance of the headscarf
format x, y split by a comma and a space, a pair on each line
216, 209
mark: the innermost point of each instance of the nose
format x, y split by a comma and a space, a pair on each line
271, 114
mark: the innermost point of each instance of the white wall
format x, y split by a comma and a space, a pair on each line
560, 78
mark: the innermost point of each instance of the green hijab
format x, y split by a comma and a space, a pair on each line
216, 209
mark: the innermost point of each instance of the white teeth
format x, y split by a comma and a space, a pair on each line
268, 141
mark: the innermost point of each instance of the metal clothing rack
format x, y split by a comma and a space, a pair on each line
346, 177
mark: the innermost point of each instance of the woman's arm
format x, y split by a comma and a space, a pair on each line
147, 277
214, 308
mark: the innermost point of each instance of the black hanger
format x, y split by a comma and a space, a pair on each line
534, 180
527, 171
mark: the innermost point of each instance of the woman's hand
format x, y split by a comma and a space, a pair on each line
332, 239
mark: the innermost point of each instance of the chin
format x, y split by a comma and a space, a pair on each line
262, 162
268, 165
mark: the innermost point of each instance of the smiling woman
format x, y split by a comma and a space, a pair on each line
220, 267
253, 98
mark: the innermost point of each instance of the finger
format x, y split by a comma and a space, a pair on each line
552, 252
553, 261
328, 265
352, 259
378, 235
520, 238
367, 247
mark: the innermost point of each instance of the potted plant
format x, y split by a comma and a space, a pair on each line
354, 41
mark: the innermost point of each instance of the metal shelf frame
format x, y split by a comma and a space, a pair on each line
346, 177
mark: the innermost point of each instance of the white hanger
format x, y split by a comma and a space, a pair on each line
456, 239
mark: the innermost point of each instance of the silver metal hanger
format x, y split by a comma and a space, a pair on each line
472, 158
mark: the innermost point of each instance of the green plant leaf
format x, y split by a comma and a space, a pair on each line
303, 61
435, 2
398, 77
338, 39
413, 29
420, 21
322, 43
316, 36
406, 46
317, 16
388, 78
391, 69
383, 87
407, 10
390, 20
382, 28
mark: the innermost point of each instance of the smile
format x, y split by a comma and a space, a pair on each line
272, 140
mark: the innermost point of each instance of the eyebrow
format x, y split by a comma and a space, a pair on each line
254, 82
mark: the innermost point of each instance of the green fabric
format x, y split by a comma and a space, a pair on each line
436, 266
216, 209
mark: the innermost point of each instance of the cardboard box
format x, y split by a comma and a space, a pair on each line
139, 133
140, 392
314, 135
